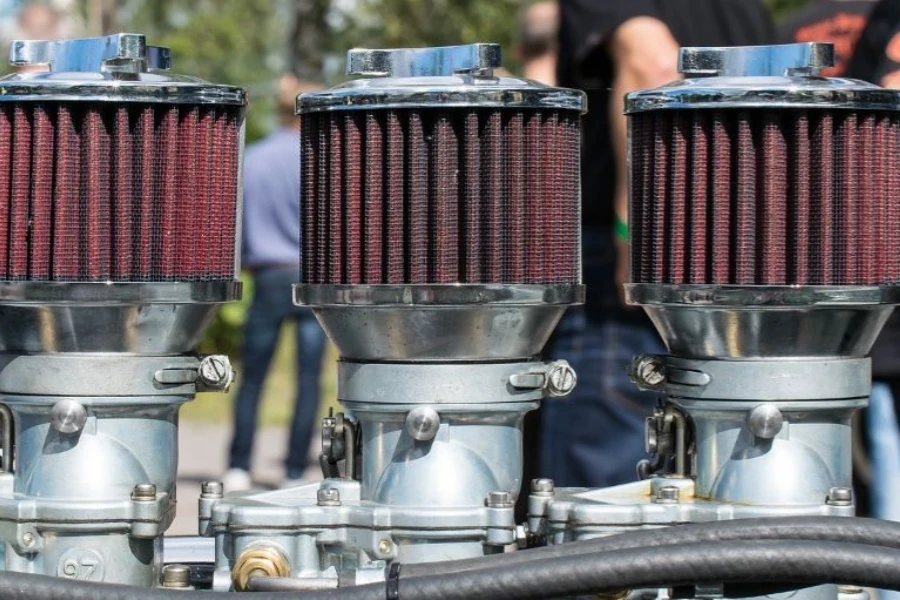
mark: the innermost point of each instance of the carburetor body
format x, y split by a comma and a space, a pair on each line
118, 239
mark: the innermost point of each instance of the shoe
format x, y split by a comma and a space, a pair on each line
237, 480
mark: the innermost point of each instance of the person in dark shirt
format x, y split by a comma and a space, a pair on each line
840, 22
877, 55
608, 48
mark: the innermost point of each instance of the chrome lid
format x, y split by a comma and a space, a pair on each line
448, 76
783, 76
114, 68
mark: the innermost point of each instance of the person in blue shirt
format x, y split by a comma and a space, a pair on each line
271, 253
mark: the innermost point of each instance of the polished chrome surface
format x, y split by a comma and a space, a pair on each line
451, 76
112, 293
757, 61
115, 68
762, 77
117, 53
760, 296
421, 62
428, 323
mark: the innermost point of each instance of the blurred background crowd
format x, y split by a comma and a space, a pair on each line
277, 48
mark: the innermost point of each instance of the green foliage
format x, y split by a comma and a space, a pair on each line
782, 8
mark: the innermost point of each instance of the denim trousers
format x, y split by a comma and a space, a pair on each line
595, 437
272, 305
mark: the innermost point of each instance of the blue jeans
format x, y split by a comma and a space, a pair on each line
271, 306
595, 437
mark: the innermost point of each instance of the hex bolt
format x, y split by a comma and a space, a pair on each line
840, 496
28, 539
144, 492
498, 500
176, 576
68, 416
561, 379
328, 497
215, 372
212, 489
668, 494
765, 421
385, 546
649, 370
542, 486
422, 423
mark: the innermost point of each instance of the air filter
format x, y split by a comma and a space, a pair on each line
114, 171
748, 177
465, 178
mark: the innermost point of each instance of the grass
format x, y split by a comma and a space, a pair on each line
279, 390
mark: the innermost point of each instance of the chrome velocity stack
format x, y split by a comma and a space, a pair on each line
119, 212
441, 247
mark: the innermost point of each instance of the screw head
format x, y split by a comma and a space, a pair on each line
176, 576
649, 370
498, 500
328, 497
68, 416
422, 423
668, 494
542, 486
28, 539
765, 421
212, 489
144, 492
840, 496
385, 546
215, 372
561, 379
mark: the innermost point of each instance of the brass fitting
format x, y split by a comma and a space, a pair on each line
259, 560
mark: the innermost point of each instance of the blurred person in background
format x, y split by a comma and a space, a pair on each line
609, 48
877, 60
271, 252
539, 37
840, 22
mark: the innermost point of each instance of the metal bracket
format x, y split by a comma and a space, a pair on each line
475, 59
118, 53
757, 61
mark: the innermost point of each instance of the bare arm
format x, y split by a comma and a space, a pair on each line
645, 56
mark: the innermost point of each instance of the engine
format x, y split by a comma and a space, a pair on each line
441, 228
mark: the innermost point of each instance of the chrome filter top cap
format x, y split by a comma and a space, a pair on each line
441, 207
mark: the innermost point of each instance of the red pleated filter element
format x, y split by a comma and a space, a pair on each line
439, 196
765, 196
118, 191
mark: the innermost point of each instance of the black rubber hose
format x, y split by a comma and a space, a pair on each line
852, 530
771, 562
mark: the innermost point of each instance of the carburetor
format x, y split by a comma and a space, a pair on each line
119, 207
441, 246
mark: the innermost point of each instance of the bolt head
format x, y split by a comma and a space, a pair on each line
176, 576
328, 497
840, 496
765, 421
542, 486
68, 416
668, 494
144, 492
561, 379
385, 546
215, 372
28, 538
422, 423
650, 371
212, 489
499, 500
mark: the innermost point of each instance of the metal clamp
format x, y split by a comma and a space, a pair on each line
474, 59
118, 53
756, 61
